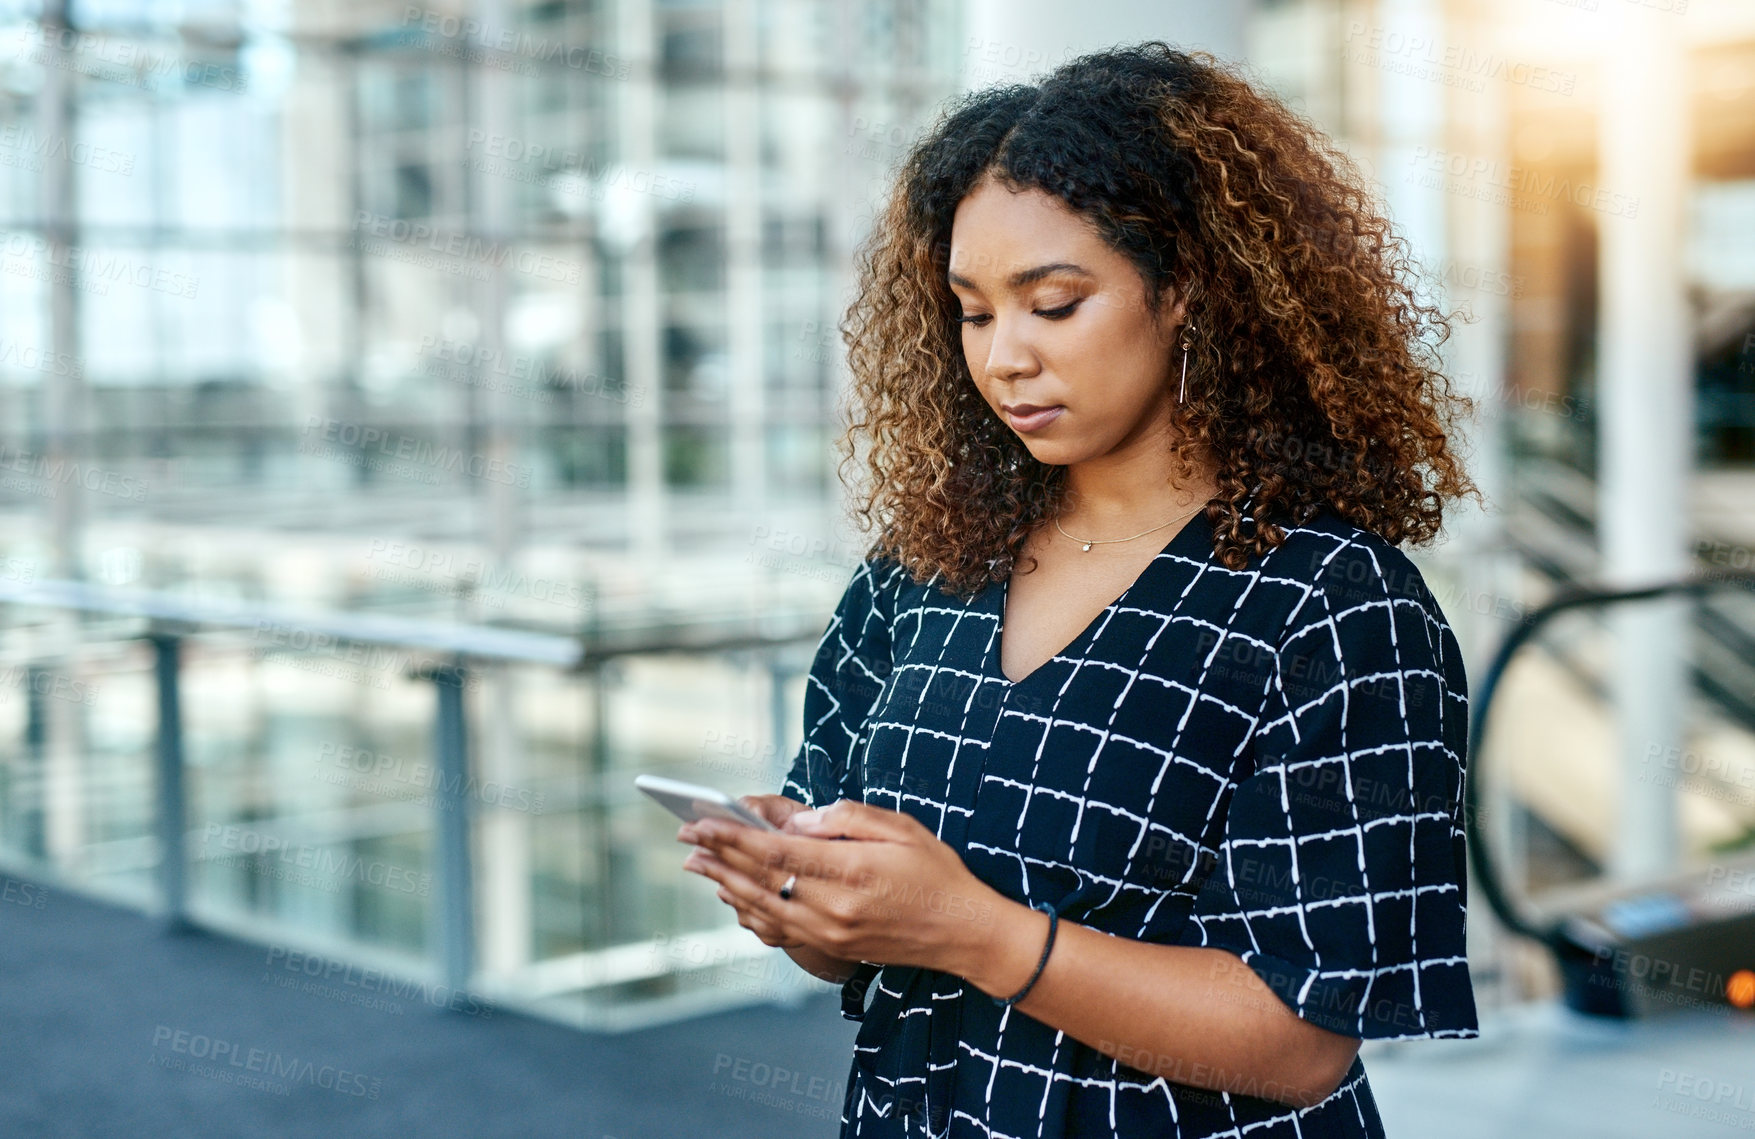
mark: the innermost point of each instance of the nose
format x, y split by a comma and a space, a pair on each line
1009, 352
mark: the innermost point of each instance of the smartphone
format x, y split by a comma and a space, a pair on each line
691, 801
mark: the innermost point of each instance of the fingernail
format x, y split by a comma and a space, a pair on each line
807, 819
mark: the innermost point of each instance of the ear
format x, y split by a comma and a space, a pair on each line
1178, 306
1172, 311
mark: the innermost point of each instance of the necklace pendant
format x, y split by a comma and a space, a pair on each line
1087, 547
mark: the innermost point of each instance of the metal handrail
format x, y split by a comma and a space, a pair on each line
479, 642
455, 647
1481, 858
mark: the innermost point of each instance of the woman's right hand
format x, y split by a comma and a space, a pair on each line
777, 809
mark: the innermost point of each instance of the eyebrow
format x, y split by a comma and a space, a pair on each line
1027, 276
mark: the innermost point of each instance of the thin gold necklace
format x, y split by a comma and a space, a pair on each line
1089, 542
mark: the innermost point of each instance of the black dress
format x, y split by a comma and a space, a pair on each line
1267, 761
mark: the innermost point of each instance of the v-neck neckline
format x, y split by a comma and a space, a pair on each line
1196, 523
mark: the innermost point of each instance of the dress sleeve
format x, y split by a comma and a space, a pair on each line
851, 665
1341, 876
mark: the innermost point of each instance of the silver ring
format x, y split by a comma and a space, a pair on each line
786, 887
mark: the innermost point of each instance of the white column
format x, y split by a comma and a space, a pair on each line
1477, 555
743, 257
1646, 402
64, 411
1480, 253
491, 218
638, 145
500, 838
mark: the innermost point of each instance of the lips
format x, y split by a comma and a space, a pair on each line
1031, 416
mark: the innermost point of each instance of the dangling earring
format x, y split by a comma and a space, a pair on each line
1182, 396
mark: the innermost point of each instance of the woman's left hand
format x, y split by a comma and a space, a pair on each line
898, 895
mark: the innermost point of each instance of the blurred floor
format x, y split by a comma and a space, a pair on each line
112, 1028
95, 997
1542, 1070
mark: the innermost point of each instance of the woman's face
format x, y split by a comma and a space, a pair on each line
1054, 319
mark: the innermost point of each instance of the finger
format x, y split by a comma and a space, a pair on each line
768, 872
722, 874
850, 818
753, 901
760, 885
749, 900
767, 931
832, 864
793, 854
801, 919
774, 808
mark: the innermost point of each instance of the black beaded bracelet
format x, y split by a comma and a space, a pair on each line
1053, 924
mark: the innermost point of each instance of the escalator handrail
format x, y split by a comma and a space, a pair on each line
1481, 858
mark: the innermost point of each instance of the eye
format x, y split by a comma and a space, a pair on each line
1062, 312
975, 319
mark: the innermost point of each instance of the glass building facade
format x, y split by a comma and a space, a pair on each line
511, 314
520, 319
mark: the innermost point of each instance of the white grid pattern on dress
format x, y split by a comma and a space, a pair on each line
1271, 752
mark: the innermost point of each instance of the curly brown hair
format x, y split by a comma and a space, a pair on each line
1314, 377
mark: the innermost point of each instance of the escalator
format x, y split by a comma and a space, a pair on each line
1623, 950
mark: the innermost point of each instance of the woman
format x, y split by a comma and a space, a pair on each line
1148, 740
